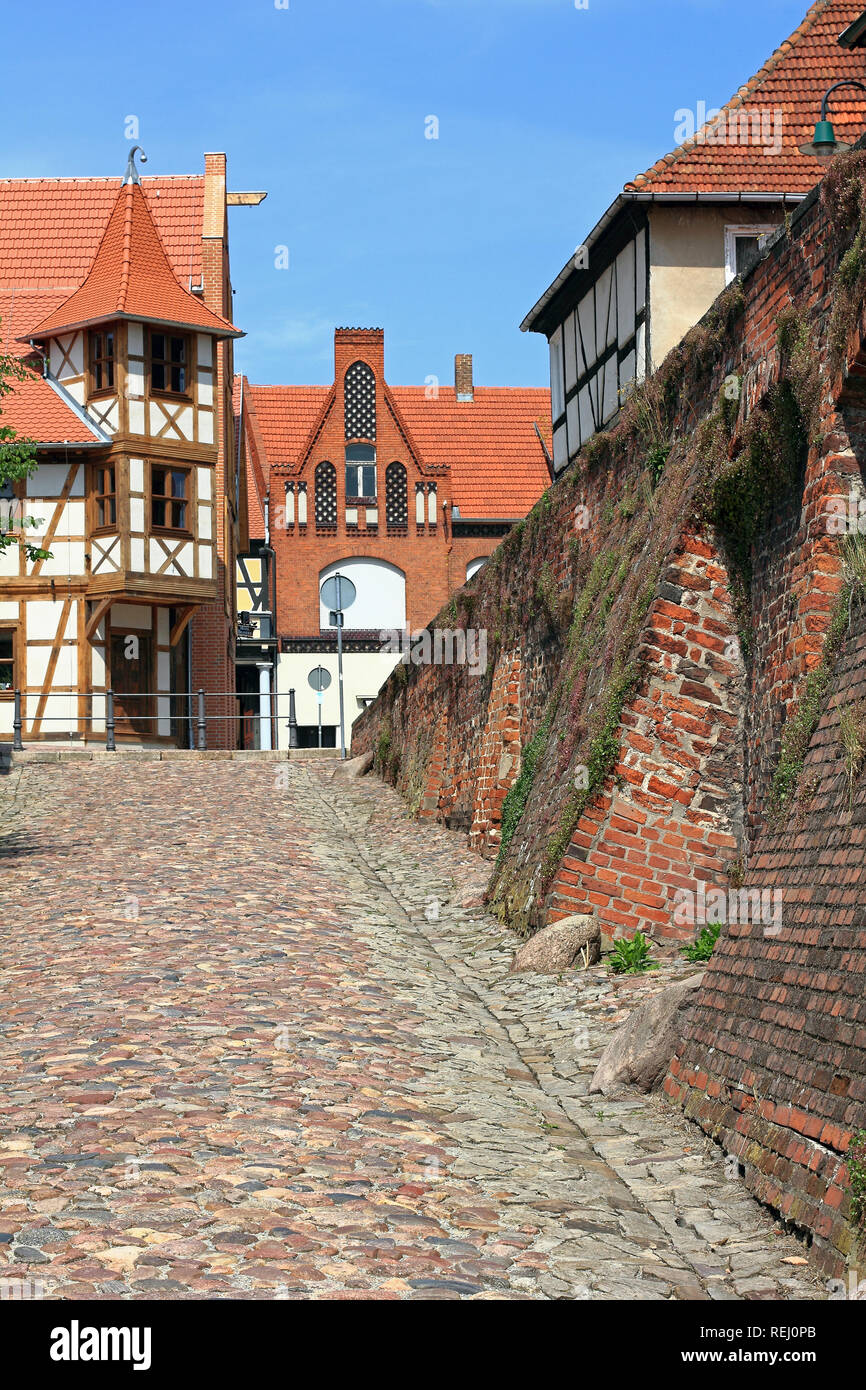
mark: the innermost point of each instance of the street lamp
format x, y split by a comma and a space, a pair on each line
825, 145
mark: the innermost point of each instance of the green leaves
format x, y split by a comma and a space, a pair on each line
631, 956
704, 943
17, 459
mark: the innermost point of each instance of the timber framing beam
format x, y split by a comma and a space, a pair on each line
181, 623
96, 617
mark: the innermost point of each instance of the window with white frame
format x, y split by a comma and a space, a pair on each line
361, 472
741, 244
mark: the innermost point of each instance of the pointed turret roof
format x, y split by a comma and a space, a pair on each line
131, 278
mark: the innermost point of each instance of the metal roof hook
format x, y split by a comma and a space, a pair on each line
132, 175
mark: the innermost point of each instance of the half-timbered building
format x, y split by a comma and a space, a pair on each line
117, 295
677, 234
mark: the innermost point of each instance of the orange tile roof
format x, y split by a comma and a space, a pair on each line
791, 83
19, 310
285, 415
132, 277
50, 229
497, 462
498, 467
36, 409
256, 465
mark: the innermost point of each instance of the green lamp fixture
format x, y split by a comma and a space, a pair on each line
825, 145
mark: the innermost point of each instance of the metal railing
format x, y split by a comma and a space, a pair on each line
197, 721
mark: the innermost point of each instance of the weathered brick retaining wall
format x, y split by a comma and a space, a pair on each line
610, 581
774, 1062
640, 731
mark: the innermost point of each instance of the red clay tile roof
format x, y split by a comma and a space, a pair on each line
256, 463
285, 416
497, 462
34, 409
498, 467
792, 83
50, 229
132, 277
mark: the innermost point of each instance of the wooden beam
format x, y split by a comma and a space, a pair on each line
45, 543
96, 616
245, 200
35, 727
181, 623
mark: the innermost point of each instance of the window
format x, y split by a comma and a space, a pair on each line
168, 363
106, 496
360, 402
8, 511
741, 243
326, 497
474, 566
102, 361
7, 661
169, 489
380, 595
396, 498
360, 472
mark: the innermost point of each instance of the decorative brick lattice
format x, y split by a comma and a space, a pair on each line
360, 391
396, 496
326, 497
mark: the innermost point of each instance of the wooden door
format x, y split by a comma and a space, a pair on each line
132, 682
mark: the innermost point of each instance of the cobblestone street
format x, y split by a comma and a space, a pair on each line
258, 1039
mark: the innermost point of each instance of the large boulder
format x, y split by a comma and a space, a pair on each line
640, 1051
355, 767
559, 946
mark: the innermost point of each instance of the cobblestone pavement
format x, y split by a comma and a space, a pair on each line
258, 1039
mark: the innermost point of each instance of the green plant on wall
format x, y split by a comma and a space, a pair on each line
383, 747
704, 944
856, 1162
803, 722
852, 737
844, 191
518, 794
631, 956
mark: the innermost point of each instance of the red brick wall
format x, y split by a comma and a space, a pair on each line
677, 816
433, 561
773, 1060
773, 1064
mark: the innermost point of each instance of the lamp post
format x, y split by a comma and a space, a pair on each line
825, 145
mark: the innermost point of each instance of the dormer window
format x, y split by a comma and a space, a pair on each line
169, 364
102, 361
360, 472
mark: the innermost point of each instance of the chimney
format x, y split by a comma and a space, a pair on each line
463, 377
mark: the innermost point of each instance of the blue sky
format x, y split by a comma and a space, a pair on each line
544, 111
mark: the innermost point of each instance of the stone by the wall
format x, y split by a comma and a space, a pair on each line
559, 946
642, 1049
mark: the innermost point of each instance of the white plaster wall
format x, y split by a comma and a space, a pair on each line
364, 674
124, 615
687, 265
50, 479
381, 594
